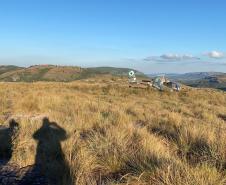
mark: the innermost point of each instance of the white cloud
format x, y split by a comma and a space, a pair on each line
215, 54
171, 57
177, 57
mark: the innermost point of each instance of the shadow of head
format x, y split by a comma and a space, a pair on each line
45, 122
50, 130
13, 125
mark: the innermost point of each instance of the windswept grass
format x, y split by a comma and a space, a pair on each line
120, 135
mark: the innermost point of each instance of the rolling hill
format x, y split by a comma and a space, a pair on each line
204, 80
214, 80
70, 73
5, 69
57, 73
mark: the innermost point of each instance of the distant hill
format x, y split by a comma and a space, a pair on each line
215, 80
5, 69
58, 73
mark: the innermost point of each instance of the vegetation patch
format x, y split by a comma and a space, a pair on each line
106, 133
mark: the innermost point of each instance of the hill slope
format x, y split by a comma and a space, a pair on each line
217, 81
5, 69
58, 73
200, 79
107, 133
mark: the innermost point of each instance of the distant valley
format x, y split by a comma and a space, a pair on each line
214, 80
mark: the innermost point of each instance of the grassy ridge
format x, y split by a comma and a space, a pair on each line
120, 135
5, 69
58, 73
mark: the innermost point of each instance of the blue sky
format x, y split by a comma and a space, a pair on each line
154, 36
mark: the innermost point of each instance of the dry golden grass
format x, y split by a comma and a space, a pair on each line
120, 135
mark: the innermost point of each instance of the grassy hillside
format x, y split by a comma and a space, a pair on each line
58, 73
204, 79
5, 69
119, 135
215, 81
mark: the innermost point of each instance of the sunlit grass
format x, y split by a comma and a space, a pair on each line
121, 135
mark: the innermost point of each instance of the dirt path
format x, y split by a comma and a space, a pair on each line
11, 174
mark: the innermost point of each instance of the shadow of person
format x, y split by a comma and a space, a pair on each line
50, 159
7, 136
